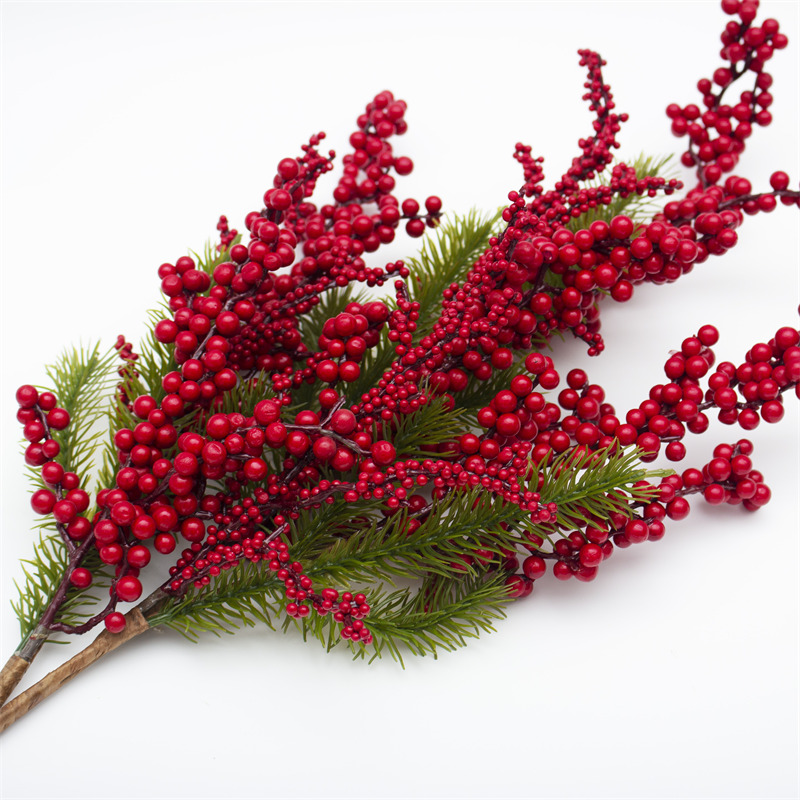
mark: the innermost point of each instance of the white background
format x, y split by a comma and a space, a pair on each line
127, 129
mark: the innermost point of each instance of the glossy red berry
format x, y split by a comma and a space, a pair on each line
115, 622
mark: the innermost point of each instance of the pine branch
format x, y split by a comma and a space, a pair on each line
426, 622
81, 379
242, 596
414, 434
412, 620
595, 484
337, 547
370, 549
43, 573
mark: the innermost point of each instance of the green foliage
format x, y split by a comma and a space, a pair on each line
82, 379
155, 360
414, 434
368, 549
239, 597
371, 548
442, 615
448, 598
43, 573
595, 485
247, 394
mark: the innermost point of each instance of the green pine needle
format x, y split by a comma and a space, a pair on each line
414, 434
431, 619
374, 548
43, 573
211, 257
81, 380
156, 359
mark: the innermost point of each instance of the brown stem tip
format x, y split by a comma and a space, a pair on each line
104, 643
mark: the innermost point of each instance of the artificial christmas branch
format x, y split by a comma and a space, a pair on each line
291, 433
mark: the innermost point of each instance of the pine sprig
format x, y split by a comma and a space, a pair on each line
242, 596
414, 434
427, 621
595, 485
368, 550
371, 548
43, 573
454, 597
81, 379
419, 621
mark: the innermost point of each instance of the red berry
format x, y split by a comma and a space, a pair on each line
80, 578
164, 543
27, 396
42, 502
115, 622
383, 452
128, 589
779, 181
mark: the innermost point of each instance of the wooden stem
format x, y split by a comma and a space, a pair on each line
104, 643
11, 675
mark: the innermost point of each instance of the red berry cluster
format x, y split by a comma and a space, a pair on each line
671, 410
228, 485
717, 134
240, 318
728, 477
227, 235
